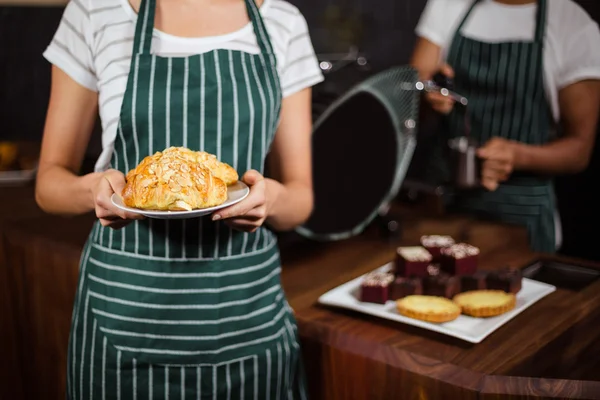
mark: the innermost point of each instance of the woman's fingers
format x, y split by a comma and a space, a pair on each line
241, 208
496, 169
112, 182
252, 177
249, 214
255, 199
116, 183
489, 184
439, 99
250, 221
116, 180
446, 70
440, 103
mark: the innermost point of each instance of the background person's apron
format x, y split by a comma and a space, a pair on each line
187, 308
504, 83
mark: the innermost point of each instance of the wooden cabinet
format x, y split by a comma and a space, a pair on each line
39, 257
44, 275
11, 385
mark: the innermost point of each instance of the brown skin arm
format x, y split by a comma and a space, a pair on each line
426, 58
580, 104
580, 107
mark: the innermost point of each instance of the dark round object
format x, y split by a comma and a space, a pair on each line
361, 149
354, 159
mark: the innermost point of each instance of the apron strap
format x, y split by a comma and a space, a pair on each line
144, 28
542, 12
260, 30
142, 42
466, 17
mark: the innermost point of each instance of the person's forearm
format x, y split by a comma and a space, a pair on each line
291, 204
579, 104
59, 191
562, 156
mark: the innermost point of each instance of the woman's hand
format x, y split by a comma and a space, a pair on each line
498, 162
249, 214
110, 182
439, 102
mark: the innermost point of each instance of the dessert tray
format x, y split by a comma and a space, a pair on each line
470, 329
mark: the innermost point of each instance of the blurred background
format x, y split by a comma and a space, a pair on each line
353, 38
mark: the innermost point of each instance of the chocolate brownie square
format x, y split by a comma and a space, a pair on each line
412, 261
460, 259
435, 243
375, 287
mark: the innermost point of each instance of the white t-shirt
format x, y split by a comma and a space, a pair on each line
572, 41
94, 41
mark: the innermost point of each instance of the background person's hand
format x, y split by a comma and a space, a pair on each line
111, 181
498, 157
249, 214
439, 102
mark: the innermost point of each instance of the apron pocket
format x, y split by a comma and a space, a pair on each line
177, 313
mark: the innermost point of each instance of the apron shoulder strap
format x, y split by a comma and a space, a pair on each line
260, 30
142, 41
541, 18
466, 17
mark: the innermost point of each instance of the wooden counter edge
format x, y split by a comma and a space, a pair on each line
497, 387
396, 358
487, 386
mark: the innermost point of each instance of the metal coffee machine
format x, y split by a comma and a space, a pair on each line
464, 163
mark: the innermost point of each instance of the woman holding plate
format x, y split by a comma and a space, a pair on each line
189, 308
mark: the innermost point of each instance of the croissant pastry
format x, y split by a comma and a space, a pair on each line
175, 180
219, 169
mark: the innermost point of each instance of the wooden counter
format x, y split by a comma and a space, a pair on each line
548, 351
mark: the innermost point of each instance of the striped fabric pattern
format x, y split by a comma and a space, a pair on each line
94, 46
188, 308
100, 370
505, 86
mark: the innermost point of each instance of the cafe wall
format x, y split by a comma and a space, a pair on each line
381, 30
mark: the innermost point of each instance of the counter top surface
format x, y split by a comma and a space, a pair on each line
310, 269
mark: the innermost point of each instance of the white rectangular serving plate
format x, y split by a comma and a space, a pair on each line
467, 328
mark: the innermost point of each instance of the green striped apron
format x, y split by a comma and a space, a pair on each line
504, 83
188, 309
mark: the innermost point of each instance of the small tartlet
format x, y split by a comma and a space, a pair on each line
428, 308
485, 303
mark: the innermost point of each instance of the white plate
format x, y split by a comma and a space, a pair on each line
467, 328
235, 193
17, 177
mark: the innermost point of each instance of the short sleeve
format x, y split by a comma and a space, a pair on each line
71, 47
433, 24
580, 55
301, 69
